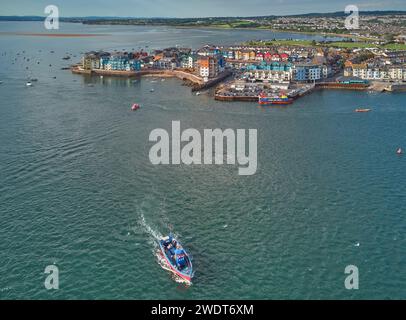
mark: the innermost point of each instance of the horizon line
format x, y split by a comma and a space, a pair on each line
201, 17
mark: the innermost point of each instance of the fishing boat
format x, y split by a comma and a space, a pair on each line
362, 110
135, 107
279, 99
176, 258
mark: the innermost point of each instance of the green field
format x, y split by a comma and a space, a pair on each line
350, 45
395, 46
338, 44
302, 43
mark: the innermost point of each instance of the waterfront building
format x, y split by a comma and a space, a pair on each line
209, 50
397, 73
273, 72
391, 72
165, 63
210, 66
189, 61
284, 57
91, 60
275, 57
230, 54
259, 56
116, 62
307, 72
267, 56
120, 62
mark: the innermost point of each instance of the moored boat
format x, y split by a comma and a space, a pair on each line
362, 110
280, 99
176, 258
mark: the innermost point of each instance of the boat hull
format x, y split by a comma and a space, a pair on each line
276, 102
265, 100
185, 276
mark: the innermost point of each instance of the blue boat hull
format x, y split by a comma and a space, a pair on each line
185, 272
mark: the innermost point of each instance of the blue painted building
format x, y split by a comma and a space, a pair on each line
120, 62
273, 66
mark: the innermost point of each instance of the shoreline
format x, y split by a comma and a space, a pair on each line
198, 84
56, 35
324, 34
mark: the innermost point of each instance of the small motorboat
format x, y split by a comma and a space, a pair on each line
176, 258
135, 107
28, 84
152, 90
198, 93
362, 110
399, 151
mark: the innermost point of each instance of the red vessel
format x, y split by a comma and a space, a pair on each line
281, 99
135, 107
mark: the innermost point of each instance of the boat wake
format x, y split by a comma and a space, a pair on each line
155, 235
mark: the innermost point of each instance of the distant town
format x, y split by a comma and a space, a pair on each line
385, 27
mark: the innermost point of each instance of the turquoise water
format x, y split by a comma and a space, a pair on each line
77, 188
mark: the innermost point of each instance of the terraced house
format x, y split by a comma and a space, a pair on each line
269, 72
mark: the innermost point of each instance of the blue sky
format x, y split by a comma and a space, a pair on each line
190, 8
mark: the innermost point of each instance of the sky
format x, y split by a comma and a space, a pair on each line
189, 8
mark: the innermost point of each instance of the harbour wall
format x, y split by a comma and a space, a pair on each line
197, 82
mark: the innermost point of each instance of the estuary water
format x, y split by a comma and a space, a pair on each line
77, 188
